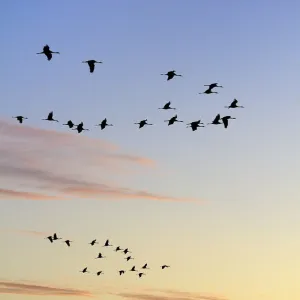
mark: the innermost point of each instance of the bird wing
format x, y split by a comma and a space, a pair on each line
234, 102
46, 48
225, 122
50, 116
49, 55
92, 66
217, 118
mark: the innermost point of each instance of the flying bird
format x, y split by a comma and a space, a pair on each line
49, 238
143, 123
118, 249
91, 64
145, 266
209, 91
172, 120
93, 242
167, 106
213, 85
216, 120
141, 274
106, 244
100, 256
133, 269
48, 52
50, 117
194, 125
121, 272
233, 104
171, 74
225, 120
103, 124
100, 272
70, 124
55, 238
84, 270
129, 258
68, 242
20, 119
126, 251
165, 266
80, 128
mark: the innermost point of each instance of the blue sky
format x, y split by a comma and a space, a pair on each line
240, 240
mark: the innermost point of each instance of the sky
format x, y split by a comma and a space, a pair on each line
220, 206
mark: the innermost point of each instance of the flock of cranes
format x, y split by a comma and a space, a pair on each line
194, 125
140, 273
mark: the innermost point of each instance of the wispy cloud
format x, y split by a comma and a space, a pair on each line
169, 295
9, 287
37, 164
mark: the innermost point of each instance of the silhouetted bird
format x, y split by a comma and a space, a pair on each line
165, 266
55, 238
103, 124
100, 272
121, 272
100, 256
209, 91
133, 269
143, 123
47, 52
20, 119
49, 238
167, 106
194, 125
118, 249
126, 251
93, 242
84, 270
141, 274
172, 120
171, 74
106, 244
50, 117
68, 242
91, 64
70, 124
216, 120
80, 128
225, 120
145, 266
233, 104
213, 85
129, 258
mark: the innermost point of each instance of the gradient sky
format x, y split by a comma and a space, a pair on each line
221, 207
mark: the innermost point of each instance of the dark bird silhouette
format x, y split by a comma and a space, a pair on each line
100, 272
20, 119
213, 85
133, 269
233, 104
209, 91
225, 120
118, 249
129, 258
93, 242
103, 124
141, 274
216, 120
106, 244
126, 251
91, 64
165, 266
143, 123
70, 124
50, 117
84, 270
171, 74
167, 106
194, 125
100, 256
121, 272
55, 238
48, 52
172, 120
68, 242
80, 128
49, 238
145, 266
